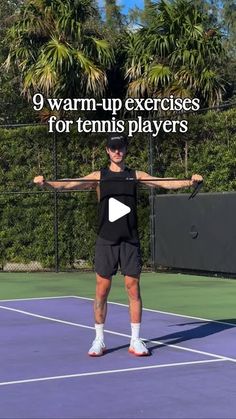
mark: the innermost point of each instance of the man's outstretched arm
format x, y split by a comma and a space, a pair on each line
167, 183
70, 184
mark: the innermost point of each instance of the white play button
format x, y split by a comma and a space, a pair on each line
116, 210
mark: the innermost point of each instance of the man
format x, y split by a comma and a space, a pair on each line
117, 241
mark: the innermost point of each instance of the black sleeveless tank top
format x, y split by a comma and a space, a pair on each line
124, 191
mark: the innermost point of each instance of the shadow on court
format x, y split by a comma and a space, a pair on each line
203, 330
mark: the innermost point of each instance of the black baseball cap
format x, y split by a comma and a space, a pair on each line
116, 141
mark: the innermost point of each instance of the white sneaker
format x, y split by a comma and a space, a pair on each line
138, 348
98, 348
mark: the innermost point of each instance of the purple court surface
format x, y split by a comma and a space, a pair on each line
46, 372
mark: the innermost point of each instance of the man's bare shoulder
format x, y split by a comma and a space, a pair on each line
94, 175
141, 175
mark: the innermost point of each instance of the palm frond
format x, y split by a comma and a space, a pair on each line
58, 54
159, 76
138, 88
94, 79
42, 77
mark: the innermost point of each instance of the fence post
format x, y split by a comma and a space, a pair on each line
186, 158
56, 242
151, 202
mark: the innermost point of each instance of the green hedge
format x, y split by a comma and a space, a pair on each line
211, 142
27, 221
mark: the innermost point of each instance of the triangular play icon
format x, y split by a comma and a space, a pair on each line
116, 209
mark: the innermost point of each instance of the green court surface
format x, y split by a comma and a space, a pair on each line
206, 297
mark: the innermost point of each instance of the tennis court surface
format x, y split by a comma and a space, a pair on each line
46, 372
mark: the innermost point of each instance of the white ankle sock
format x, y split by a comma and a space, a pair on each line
99, 328
135, 330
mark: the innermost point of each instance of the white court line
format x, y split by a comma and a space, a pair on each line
118, 334
122, 305
37, 298
87, 374
163, 312
28, 313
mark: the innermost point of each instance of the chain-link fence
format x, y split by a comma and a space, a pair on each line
56, 231
43, 230
49, 230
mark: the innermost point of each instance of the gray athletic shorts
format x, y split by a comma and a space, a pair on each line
126, 255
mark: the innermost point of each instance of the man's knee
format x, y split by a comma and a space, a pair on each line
133, 288
103, 286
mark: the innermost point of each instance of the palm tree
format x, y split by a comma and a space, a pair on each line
58, 47
176, 54
114, 19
